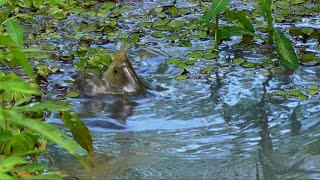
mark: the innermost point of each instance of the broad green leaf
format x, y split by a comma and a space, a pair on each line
285, 50
43, 106
79, 131
31, 167
37, 3
2, 2
216, 7
5, 136
244, 21
4, 175
15, 32
50, 132
18, 86
6, 41
60, 2
10, 162
265, 6
22, 60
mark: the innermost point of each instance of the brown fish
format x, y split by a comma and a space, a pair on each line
120, 78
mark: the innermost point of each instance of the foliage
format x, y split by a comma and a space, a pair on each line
22, 130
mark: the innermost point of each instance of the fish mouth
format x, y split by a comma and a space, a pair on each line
135, 84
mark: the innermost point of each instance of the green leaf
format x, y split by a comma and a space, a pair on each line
49, 131
32, 167
5, 136
43, 106
244, 21
216, 7
235, 31
79, 131
182, 77
285, 50
22, 60
10, 162
15, 32
2, 2
6, 41
265, 6
18, 85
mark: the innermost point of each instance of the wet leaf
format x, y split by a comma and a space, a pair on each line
182, 77
216, 7
159, 34
297, 94
174, 61
309, 59
202, 34
73, 94
285, 50
207, 70
247, 64
15, 32
238, 61
196, 54
79, 131
209, 56
313, 89
308, 31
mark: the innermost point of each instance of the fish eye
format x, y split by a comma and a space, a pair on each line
116, 71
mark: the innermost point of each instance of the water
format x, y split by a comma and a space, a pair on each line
227, 125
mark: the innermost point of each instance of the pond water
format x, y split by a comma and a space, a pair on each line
225, 125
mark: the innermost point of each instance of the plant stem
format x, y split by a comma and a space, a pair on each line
216, 42
270, 30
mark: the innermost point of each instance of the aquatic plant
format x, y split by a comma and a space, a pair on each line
23, 133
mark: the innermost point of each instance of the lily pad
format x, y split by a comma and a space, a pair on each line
313, 89
182, 77
209, 56
207, 70
238, 61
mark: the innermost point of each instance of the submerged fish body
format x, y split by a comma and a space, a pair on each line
120, 78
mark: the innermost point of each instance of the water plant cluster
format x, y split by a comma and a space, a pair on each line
44, 37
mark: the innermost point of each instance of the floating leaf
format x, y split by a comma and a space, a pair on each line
285, 50
182, 77
238, 61
206, 70
209, 56
313, 89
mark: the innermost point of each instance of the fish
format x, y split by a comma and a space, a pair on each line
119, 79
